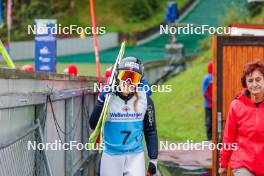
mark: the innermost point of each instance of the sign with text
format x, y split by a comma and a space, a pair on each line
45, 45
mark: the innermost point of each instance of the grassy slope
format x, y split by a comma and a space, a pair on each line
180, 113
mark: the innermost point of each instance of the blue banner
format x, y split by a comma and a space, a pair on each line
45, 45
1, 13
172, 13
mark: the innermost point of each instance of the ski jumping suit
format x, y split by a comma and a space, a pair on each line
123, 134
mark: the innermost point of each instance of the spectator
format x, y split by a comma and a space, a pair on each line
207, 93
245, 126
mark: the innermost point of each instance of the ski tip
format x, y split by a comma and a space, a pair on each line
123, 42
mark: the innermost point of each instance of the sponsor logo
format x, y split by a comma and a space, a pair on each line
44, 59
132, 65
125, 116
45, 67
44, 50
126, 109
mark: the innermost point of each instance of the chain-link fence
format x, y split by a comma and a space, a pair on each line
18, 159
34, 115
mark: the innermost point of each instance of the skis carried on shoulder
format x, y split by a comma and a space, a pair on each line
103, 117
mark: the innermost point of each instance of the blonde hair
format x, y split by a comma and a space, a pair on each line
136, 102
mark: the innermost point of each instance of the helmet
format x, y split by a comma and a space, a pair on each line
131, 64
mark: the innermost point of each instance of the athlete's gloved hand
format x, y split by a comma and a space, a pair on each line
106, 90
144, 86
152, 168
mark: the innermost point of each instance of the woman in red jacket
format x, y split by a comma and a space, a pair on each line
245, 126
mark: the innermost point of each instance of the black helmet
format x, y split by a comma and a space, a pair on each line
132, 64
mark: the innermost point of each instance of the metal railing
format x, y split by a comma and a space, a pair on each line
158, 71
41, 108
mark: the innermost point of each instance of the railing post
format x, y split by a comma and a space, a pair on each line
85, 124
68, 137
46, 160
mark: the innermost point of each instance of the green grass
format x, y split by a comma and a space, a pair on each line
180, 113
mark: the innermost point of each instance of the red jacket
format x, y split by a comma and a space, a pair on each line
244, 126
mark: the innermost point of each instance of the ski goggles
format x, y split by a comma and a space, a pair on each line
125, 75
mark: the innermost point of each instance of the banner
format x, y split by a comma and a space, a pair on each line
45, 45
172, 13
